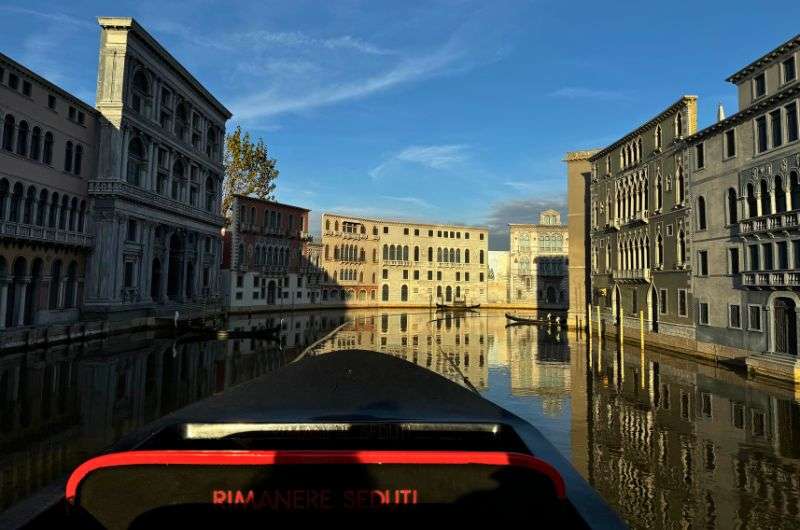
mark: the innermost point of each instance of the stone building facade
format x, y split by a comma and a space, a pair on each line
47, 157
746, 219
639, 224
403, 263
156, 196
538, 263
264, 259
497, 284
579, 176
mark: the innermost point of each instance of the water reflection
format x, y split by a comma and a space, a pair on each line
669, 443
61, 405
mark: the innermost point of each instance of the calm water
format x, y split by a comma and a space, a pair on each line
669, 443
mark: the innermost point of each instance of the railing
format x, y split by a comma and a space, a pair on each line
771, 279
150, 198
44, 234
775, 221
634, 275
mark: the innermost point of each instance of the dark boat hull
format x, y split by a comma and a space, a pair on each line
457, 307
360, 406
522, 320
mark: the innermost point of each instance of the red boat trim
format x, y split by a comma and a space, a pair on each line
266, 458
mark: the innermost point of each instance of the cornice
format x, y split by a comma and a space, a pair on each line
768, 57
573, 156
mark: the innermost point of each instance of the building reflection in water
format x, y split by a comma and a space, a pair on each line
62, 405
669, 443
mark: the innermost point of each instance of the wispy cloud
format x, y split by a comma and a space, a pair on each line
275, 101
60, 18
574, 92
411, 201
525, 210
438, 157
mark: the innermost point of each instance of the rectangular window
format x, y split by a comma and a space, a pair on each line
81, 118
734, 316
26, 88
430, 233
466, 235
466, 276
754, 261
13, 81
789, 71
796, 253
760, 85
385, 229
128, 274
669, 230
131, 230
385, 274
777, 128
480, 277
767, 251
439, 275
783, 255
761, 134
405, 231
405, 274
481, 237
51, 102
700, 152
733, 261
730, 143
458, 276
239, 280
682, 306
239, 295
71, 113
754, 317
703, 310
416, 231
791, 122
662, 302
416, 275
702, 262
430, 275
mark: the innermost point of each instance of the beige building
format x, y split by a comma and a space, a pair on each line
402, 263
538, 262
497, 285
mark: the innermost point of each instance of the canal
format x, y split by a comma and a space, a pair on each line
668, 442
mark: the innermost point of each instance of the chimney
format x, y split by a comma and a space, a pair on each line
720, 112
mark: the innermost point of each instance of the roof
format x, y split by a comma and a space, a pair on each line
47, 84
571, 156
672, 109
404, 222
768, 57
269, 202
130, 24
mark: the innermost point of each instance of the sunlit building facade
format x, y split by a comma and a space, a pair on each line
538, 273
402, 263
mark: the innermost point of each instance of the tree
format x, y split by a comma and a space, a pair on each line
248, 169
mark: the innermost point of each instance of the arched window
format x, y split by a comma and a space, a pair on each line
416, 253
780, 195
22, 138
16, 203
466, 255
452, 255
405, 253
137, 162
680, 185
392, 253
445, 255
430, 253
78, 159
766, 204
53, 215
794, 190
385, 252
733, 216
679, 124
30, 201
68, 157
36, 143
439, 255
752, 201
362, 256
182, 120
41, 210
55, 284
73, 213
8, 133
385, 293
480, 257
681, 247
458, 255
404, 293
658, 137
47, 154
140, 99
701, 213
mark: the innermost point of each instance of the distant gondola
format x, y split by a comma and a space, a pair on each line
457, 307
523, 320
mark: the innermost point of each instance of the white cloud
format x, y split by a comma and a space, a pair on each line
439, 157
411, 201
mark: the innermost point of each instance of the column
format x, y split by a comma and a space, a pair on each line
4, 301
151, 152
147, 261
165, 268
758, 203
772, 198
123, 170
119, 256
788, 194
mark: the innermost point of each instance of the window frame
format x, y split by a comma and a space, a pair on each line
730, 313
685, 312
727, 143
763, 76
793, 60
750, 307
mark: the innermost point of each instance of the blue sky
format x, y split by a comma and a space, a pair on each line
449, 110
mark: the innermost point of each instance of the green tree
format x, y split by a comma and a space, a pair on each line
248, 169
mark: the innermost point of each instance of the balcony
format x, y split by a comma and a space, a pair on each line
638, 218
771, 279
757, 226
41, 234
632, 276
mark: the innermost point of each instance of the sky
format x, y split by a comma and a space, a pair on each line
454, 111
